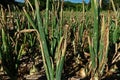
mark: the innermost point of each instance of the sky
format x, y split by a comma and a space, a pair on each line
75, 1
19, 0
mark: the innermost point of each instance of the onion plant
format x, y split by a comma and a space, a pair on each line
98, 43
11, 49
8, 58
53, 64
99, 40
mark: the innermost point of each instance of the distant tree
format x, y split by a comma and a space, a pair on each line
117, 3
72, 6
104, 4
89, 5
42, 4
6, 2
13, 2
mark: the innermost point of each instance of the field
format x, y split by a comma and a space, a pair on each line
59, 45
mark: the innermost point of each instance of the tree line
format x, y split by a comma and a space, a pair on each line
67, 4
